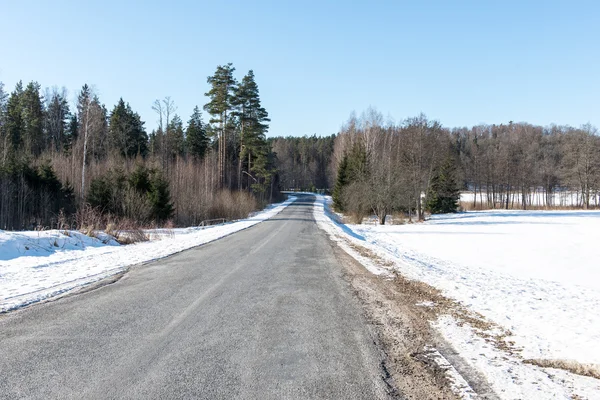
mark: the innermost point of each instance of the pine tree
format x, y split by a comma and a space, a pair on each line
252, 120
444, 190
220, 105
196, 136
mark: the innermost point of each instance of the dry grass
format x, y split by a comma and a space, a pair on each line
132, 236
468, 206
591, 370
89, 221
232, 205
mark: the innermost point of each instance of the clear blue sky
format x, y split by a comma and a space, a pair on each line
461, 62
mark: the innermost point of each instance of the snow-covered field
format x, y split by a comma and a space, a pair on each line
534, 273
38, 265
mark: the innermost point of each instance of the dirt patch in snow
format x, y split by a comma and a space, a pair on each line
402, 329
401, 311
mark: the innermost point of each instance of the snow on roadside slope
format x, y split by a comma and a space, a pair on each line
534, 273
343, 236
38, 265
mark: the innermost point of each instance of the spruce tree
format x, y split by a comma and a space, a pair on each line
196, 136
33, 120
126, 131
352, 168
175, 137
13, 128
444, 190
341, 182
160, 198
57, 121
71, 133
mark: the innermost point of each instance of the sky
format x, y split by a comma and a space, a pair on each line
459, 62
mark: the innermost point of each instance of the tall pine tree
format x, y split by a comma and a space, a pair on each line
219, 107
252, 120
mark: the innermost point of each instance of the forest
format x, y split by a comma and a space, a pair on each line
63, 165
78, 165
419, 166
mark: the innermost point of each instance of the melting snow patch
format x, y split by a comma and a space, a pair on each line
457, 383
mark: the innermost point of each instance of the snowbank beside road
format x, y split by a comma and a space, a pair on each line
38, 265
534, 273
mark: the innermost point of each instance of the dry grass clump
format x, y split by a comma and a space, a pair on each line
89, 221
128, 231
591, 370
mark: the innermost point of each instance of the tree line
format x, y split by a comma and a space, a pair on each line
62, 162
418, 166
59, 161
304, 163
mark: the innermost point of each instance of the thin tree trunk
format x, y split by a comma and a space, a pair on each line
85, 141
240, 158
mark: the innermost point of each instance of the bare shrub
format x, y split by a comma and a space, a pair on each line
88, 220
62, 222
137, 206
169, 226
232, 205
399, 218
356, 201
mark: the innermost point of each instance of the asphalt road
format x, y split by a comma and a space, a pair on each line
261, 314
